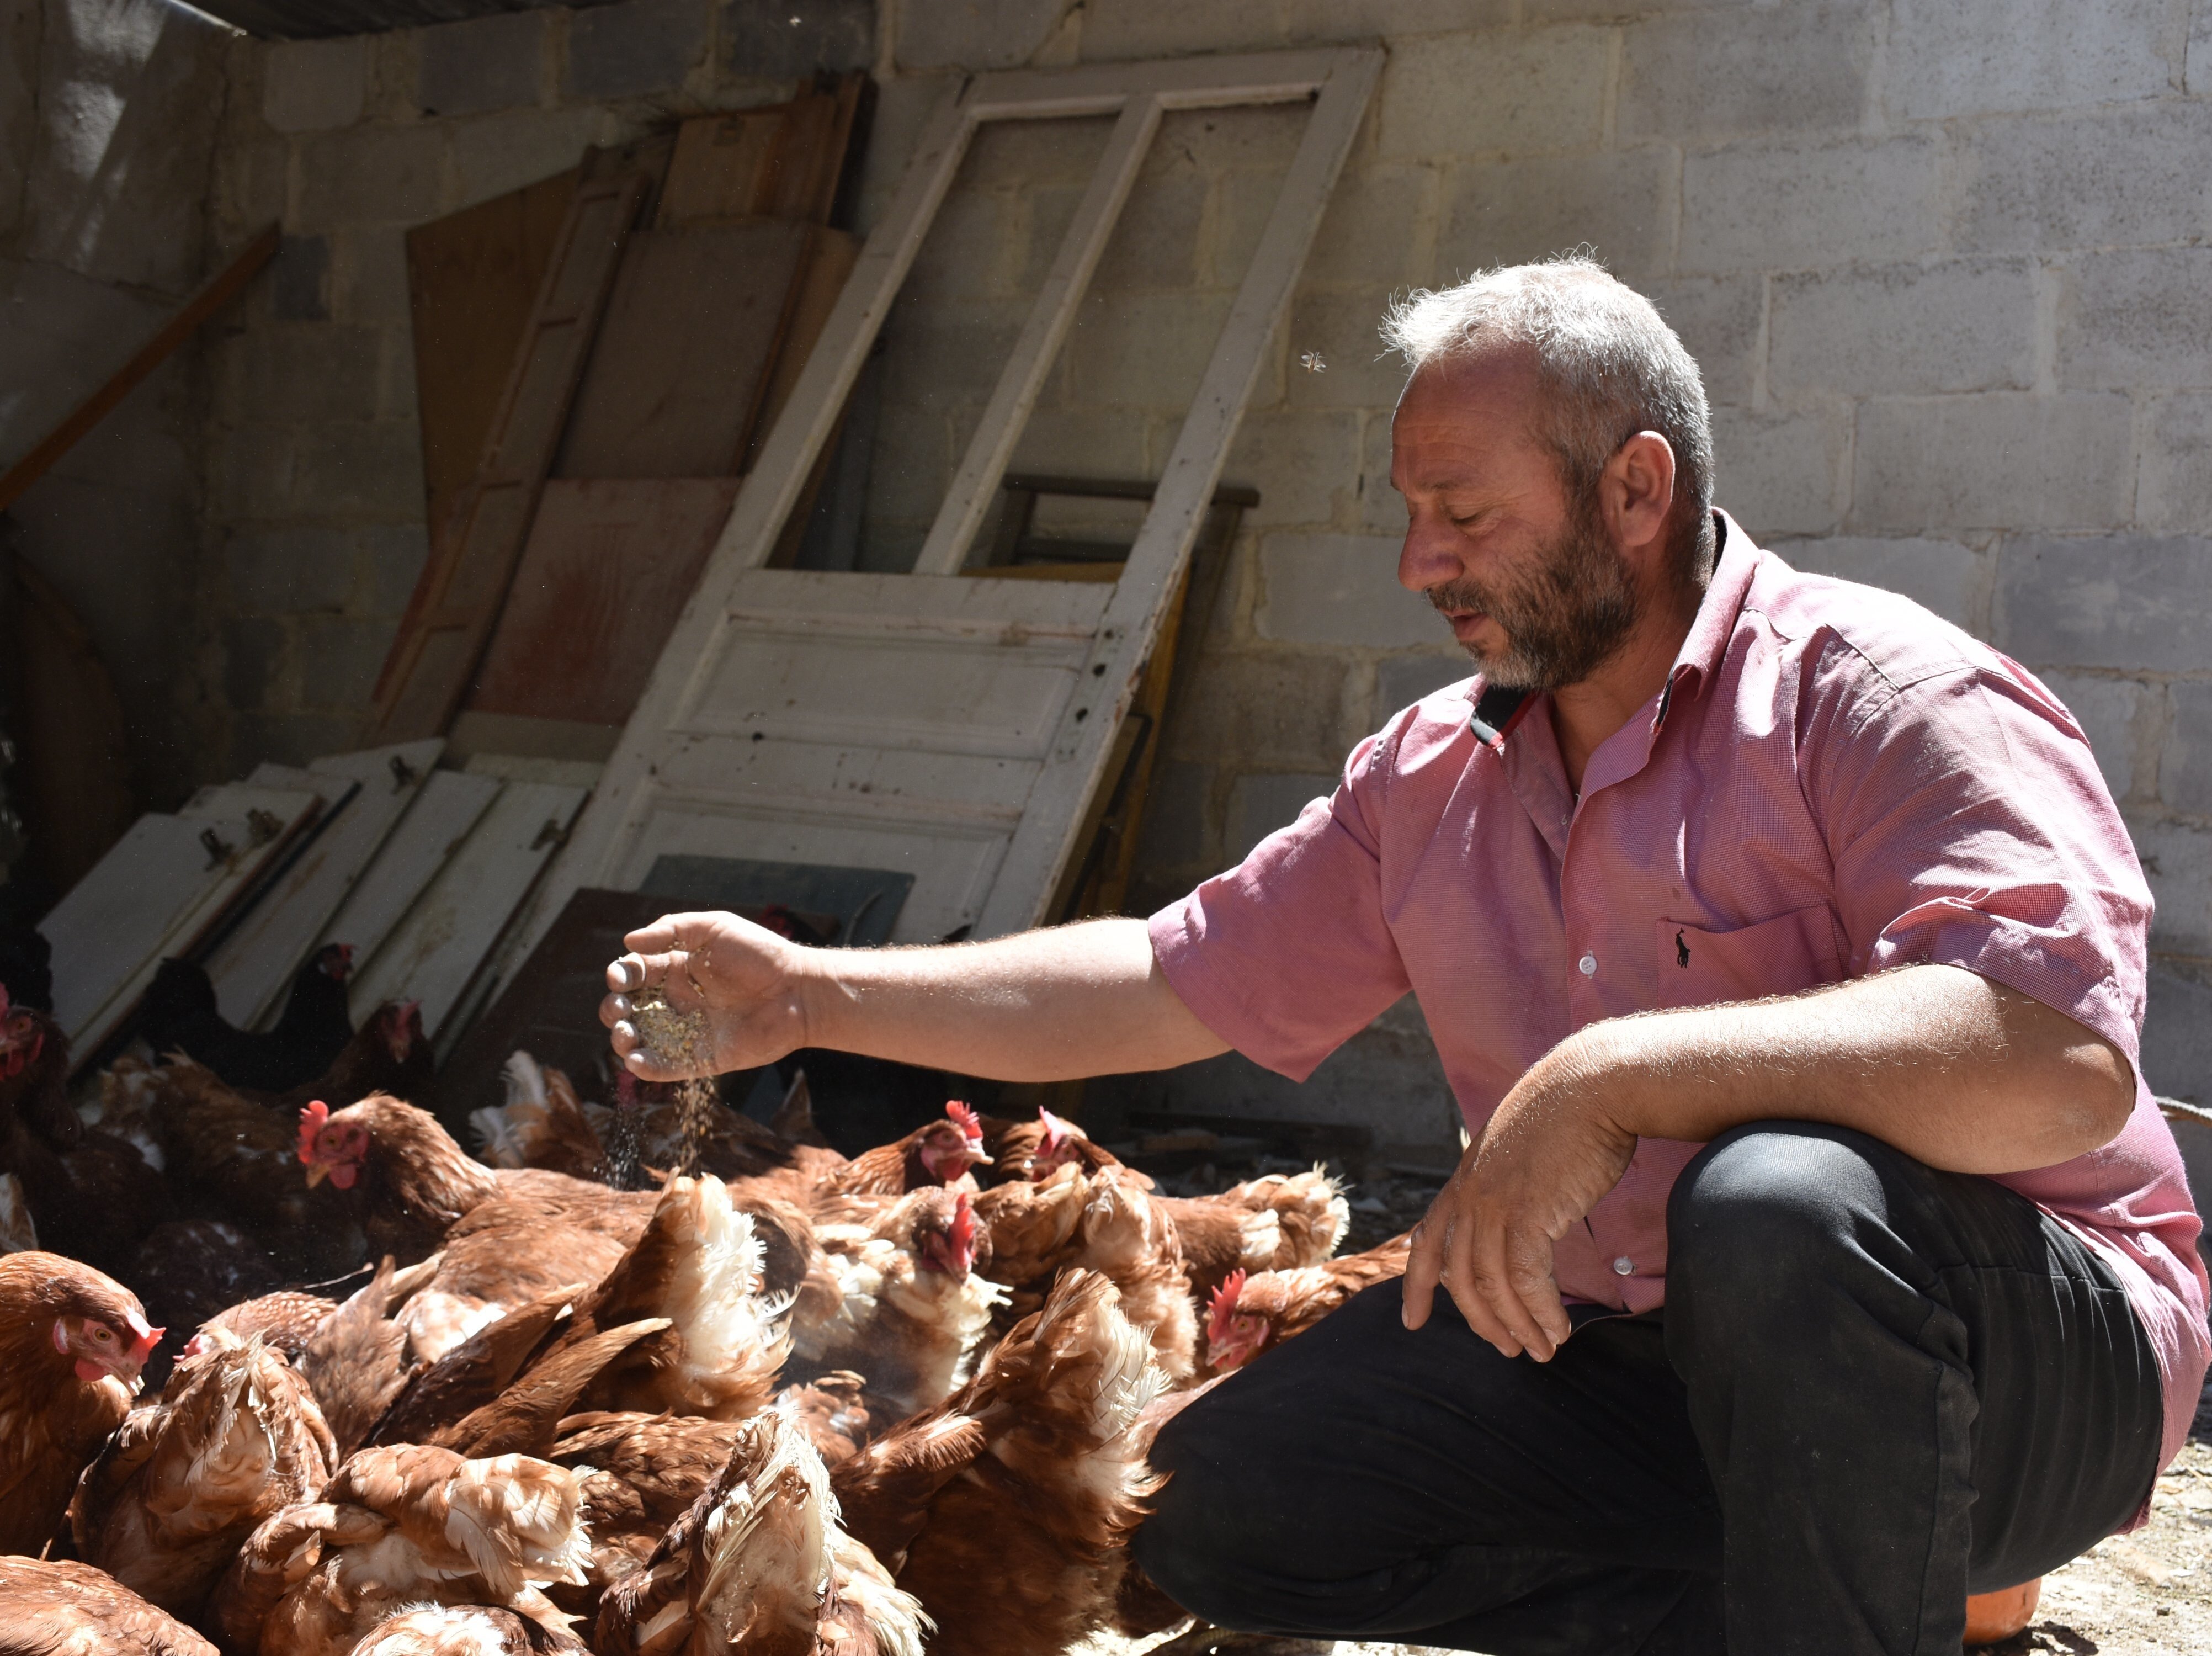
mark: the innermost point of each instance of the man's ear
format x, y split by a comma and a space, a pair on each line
1637, 494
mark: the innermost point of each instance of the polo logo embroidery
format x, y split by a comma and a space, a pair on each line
1681, 952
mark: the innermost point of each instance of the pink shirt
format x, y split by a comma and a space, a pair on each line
1833, 782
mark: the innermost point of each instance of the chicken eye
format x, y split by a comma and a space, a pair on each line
102, 1334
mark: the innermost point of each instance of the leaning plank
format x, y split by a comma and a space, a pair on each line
444, 809
253, 966
236, 830
610, 563
1040, 848
473, 553
435, 951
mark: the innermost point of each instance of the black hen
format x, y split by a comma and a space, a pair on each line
180, 1014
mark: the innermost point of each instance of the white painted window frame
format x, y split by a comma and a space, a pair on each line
1339, 82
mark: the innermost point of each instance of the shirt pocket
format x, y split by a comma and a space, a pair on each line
1781, 956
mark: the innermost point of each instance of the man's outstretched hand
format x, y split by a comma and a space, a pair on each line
1546, 1158
743, 976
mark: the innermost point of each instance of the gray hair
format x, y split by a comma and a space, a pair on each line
1614, 366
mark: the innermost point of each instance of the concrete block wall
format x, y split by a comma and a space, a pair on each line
314, 532
108, 111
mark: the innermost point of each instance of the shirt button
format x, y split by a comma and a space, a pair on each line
1587, 965
1624, 1266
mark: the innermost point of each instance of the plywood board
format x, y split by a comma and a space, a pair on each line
471, 278
432, 956
253, 968
610, 565
474, 548
683, 356
781, 161
448, 804
830, 259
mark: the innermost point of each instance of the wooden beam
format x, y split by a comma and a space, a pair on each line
216, 294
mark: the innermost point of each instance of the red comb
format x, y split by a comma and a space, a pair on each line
1223, 1305
313, 1119
965, 1117
1056, 1131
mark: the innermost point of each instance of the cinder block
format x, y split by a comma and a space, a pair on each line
1946, 577
1259, 804
1964, 325
250, 186
2184, 770
1718, 320
1155, 241
299, 279
339, 660
312, 86
310, 371
969, 35
20, 24
392, 557
2098, 178
1116, 30
1318, 22
2199, 59
646, 46
369, 284
494, 154
1402, 680
1082, 442
1951, 57
1030, 155
1172, 847
1143, 350
911, 469
949, 354
1787, 206
292, 570
965, 255
776, 40
253, 657
486, 63
1336, 358
1722, 74
1255, 138
2178, 859
1780, 474
1037, 220
1340, 589
1310, 462
1998, 461
2138, 317
371, 175
2138, 603
1614, 10
902, 107
1375, 233
1482, 94
249, 473
2177, 1049
1381, 508
2174, 483
1620, 203
1280, 709
372, 470
2106, 710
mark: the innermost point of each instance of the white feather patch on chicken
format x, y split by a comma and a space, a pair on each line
19, 1232
437, 1321
714, 1298
508, 1132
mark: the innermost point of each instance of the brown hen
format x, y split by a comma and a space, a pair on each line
72, 1342
1249, 1313
62, 1608
1281, 1222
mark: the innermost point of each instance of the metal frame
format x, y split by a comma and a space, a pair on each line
1340, 83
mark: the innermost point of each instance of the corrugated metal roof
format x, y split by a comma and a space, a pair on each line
315, 20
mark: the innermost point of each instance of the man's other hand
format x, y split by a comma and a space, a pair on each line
1546, 1157
741, 977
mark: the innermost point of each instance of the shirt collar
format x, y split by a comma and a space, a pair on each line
1498, 709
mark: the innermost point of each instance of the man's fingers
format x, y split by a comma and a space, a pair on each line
1504, 1268
1529, 1271
1418, 1291
1464, 1282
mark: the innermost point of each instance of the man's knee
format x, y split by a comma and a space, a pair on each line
1765, 1208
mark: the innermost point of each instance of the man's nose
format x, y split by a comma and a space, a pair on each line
1428, 558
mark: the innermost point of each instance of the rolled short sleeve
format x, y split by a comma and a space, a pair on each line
1288, 955
1970, 827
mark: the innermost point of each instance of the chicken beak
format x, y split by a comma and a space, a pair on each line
317, 1173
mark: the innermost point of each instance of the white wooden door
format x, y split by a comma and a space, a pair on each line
924, 723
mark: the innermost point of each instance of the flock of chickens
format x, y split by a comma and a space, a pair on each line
782, 1403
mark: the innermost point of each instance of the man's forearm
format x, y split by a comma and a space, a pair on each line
1959, 1072
1081, 999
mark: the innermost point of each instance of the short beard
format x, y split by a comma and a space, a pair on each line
1563, 619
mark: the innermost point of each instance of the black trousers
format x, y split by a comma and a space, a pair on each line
1875, 1388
